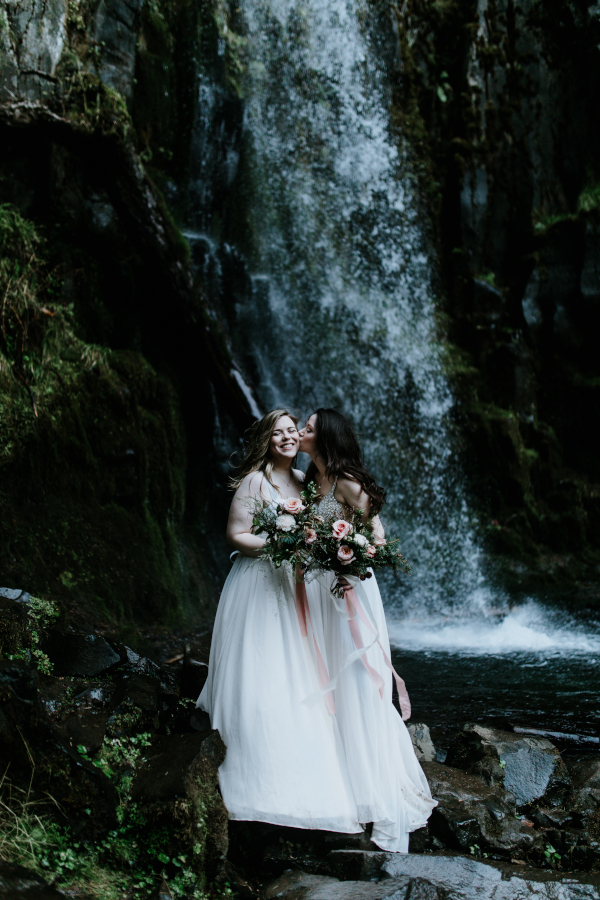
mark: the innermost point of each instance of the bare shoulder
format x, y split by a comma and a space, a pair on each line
299, 475
349, 486
351, 493
250, 486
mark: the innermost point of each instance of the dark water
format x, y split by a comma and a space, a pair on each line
528, 670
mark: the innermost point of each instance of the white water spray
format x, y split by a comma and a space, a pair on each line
343, 310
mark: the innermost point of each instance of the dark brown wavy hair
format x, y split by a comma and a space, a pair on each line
338, 447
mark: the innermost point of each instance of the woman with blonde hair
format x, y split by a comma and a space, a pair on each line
283, 755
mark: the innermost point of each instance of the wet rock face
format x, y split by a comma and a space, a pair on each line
468, 878
585, 774
18, 883
295, 885
115, 29
80, 654
267, 851
31, 40
32, 744
473, 814
431, 877
531, 768
14, 623
422, 743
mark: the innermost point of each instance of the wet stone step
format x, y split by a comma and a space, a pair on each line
429, 877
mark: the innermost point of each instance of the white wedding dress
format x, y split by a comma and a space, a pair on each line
290, 760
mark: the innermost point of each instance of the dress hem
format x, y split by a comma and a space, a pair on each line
287, 822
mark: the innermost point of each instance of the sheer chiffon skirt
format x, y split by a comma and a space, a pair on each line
289, 761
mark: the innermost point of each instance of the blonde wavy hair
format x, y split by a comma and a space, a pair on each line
257, 441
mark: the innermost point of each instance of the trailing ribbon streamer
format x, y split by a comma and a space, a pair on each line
352, 602
304, 619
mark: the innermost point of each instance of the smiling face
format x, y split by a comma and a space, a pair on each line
285, 441
308, 437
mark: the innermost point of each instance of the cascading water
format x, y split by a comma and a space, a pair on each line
341, 310
313, 241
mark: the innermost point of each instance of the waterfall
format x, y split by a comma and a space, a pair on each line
338, 308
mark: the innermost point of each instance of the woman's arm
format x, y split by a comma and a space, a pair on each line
239, 525
353, 496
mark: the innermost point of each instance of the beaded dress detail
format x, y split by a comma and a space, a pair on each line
329, 507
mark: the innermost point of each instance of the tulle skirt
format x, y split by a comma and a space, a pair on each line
289, 760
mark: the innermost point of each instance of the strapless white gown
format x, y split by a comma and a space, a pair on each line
289, 760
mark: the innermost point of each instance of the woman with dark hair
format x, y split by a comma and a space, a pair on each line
388, 784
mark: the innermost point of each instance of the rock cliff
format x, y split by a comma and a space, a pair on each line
121, 398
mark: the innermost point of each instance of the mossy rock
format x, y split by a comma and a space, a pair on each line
177, 790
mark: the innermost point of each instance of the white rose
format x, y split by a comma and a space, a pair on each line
360, 539
285, 522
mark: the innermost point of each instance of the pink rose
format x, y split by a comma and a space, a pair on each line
292, 505
370, 551
345, 554
310, 535
379, 541
340, 529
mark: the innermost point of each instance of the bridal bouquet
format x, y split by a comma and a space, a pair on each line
353, 548
288, 525
296, 533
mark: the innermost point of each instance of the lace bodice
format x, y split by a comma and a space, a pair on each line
329, 507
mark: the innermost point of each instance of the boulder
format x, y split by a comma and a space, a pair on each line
131, 663
264, 851
15, 594
35, 748
298, 885
142, 691
84, 728
293, 882
585, 775
453, 877
177, 789
14, 623
530, 767
421, 740
462, 878
79, 654
473, 814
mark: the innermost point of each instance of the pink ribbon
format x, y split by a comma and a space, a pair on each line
354, 608
304, 619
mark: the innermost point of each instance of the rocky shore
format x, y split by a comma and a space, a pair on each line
110, 789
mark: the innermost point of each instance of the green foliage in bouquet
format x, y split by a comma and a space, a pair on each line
286, 524
353, 548
296, 533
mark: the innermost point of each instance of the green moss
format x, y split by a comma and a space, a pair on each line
457, 361
93, 474
223, 12
589, 199
487, 276
543, 223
